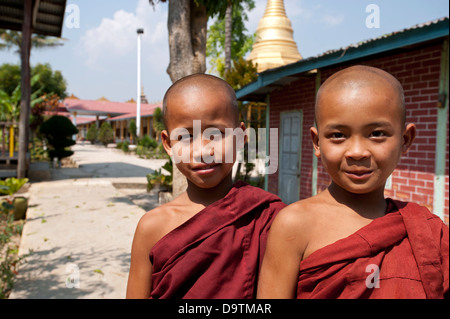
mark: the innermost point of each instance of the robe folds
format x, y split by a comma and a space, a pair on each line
404, 254
216, 254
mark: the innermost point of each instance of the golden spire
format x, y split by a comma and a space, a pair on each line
275, 45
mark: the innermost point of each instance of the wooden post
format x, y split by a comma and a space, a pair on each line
25, 87
11, 141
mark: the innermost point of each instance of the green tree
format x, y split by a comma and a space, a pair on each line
13, 40
50, 82
158, 123
242, 73
92, 133
9, 77
132, 128
58, 130
106, 134
226, 43
10, 103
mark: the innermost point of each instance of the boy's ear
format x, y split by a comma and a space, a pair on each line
408, 137
165, 138
315, 140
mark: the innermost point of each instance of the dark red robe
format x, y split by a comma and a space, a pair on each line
217, 253
404, 254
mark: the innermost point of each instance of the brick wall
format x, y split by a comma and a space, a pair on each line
418, 71
300, 95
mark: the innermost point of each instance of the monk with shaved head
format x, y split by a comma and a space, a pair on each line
349, 241
209, 241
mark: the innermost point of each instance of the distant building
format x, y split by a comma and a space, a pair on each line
85, 113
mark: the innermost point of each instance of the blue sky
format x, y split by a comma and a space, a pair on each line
99, 57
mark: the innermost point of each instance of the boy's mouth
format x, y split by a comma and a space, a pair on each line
205, 168
359, 174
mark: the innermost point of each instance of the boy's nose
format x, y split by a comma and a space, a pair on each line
202, 150
357, 150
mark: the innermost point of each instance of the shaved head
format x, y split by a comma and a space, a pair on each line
360, 77
199, 82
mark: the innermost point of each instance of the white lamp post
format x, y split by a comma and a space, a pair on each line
138, 100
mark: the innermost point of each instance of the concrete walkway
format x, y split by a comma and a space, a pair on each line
80, 225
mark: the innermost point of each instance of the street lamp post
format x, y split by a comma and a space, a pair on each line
138, 100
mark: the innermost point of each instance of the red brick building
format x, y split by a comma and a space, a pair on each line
418, 57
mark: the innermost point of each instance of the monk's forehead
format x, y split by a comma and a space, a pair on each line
199, 84
360, 76
346, 82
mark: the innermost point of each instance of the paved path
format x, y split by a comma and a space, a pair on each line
80, 225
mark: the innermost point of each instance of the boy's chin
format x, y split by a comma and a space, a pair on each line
361, 189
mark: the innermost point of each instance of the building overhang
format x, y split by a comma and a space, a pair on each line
48, 16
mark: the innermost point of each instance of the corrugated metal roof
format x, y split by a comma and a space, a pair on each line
47, 20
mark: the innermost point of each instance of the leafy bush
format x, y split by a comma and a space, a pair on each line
9, 260
106, 134
132, 128
148, 142
158, 178
11, 185
125, 145
58, 131
92, 134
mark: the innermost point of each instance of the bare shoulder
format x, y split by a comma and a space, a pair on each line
298, 215
293, 224
161, 220
157, 222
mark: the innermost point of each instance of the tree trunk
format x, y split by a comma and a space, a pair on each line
228, 25
187, 25
25, 89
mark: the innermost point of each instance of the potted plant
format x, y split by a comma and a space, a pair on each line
9, 187
161, 181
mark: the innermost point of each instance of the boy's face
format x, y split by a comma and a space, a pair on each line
360, 136
197, 119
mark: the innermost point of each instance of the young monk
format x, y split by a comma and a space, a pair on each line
349, 241
209, 241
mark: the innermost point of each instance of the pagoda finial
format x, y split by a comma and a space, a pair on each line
275, 45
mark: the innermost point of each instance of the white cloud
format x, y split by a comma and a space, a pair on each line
115, 38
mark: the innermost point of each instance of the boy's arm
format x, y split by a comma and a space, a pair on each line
140, 275
280, 267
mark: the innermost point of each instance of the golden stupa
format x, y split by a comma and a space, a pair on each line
275, 45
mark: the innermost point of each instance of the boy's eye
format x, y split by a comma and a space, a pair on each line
377, 134
212, 133
336, 136
184, 137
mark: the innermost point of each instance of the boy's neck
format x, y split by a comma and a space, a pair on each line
369, 205
207, 196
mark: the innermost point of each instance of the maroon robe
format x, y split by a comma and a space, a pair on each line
216, 253
404, 254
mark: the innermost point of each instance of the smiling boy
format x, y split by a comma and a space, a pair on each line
349, 241
209, 241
